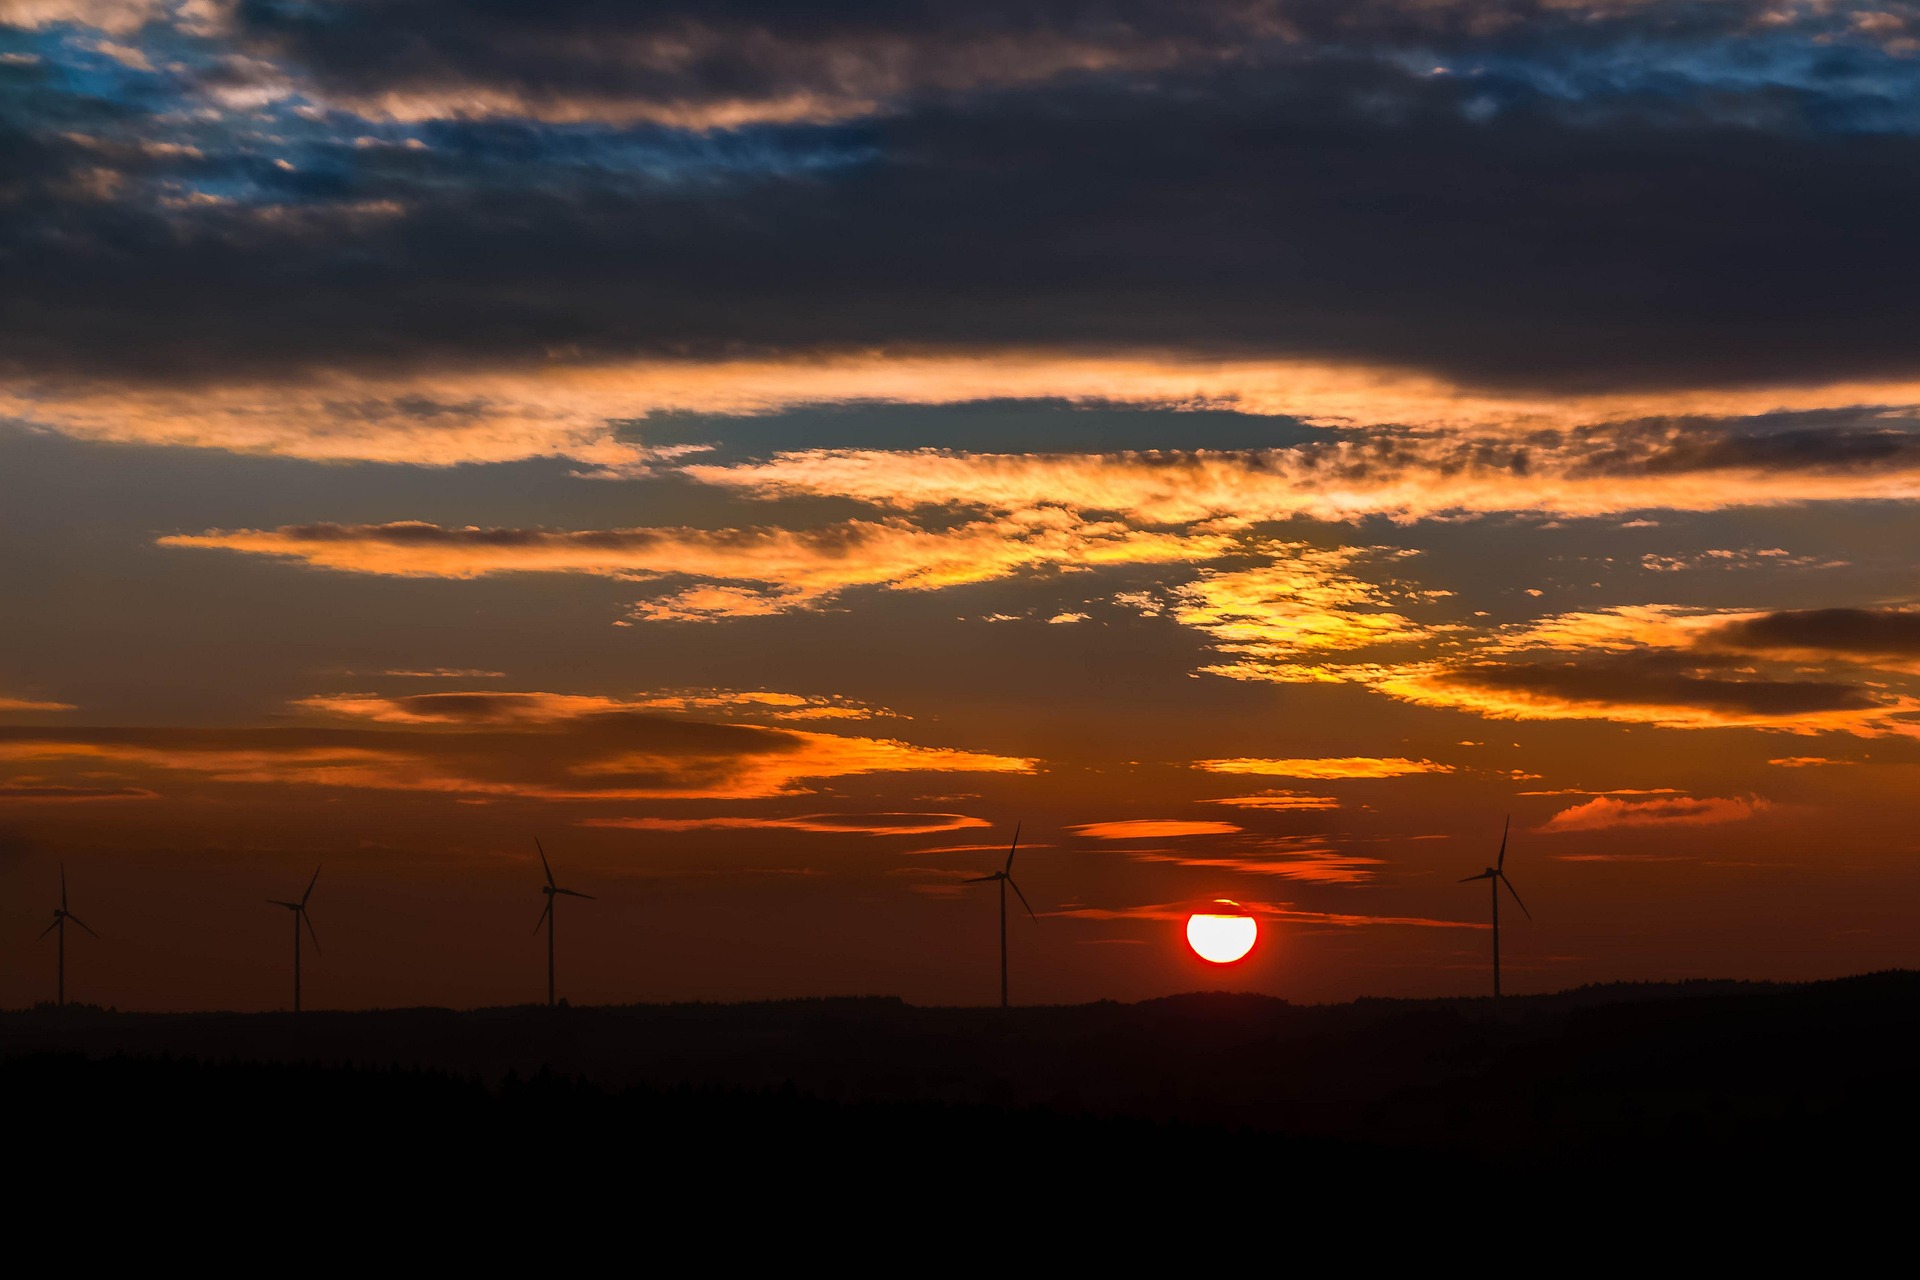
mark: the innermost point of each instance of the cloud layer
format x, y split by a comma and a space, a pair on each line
437, 188
541, 747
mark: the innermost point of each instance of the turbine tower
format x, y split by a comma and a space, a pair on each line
299, 910
60, 917
1495, 876
1005, 877
547, 913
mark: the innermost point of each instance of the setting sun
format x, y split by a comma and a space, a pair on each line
1224, 935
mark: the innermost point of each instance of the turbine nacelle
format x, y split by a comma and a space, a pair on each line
60, 913
300, 916
1006, 873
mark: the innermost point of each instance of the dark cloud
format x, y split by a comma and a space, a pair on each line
613, 755
661, 753
1337, 203
1651, 682
1886, 633
21, 791
666, 53
1841, 443
685, 54
1827, 442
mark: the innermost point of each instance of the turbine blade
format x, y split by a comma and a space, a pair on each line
1516, 897
980, 879
1501, 862
543, 862
1484, 875
291, 906
63, 886
1015, 849
310, 884
1023, 897
50, 928
543, 915
82, 923
575, 893
310, 932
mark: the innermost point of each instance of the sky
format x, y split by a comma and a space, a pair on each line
766, 451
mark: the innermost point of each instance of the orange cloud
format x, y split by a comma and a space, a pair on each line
1454, 468
569, 409
800, 565
778, 706
1328, 767
43, 793
1313, 865
867, 824
29, 704
1153, 829
635, 757
1888, 639
1621, 629
1288, 801
1616, 791
1804, 762
1637, 694
1304, 600
813, 755
1176, 911
1654, 664
980, 848
1604, 812
425, 420
317, 765
710, 603
491, 708
485, 707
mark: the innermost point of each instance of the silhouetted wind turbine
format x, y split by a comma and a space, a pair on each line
1005, 877
547, 914
1495, 876
59, 925
299, 910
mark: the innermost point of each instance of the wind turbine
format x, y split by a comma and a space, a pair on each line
60, 917
1005, 877
547, 913
1495, 876
299, 910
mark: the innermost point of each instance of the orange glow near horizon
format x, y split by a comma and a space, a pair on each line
1222, 936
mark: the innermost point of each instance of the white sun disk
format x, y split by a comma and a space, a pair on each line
1219, 938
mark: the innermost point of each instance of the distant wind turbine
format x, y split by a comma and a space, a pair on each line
547, 914
59, 925
1005, 877
299, 910
1495, 876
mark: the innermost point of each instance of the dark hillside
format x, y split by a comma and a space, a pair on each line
1723, 1091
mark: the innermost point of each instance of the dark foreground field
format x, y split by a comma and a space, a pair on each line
1718, 1108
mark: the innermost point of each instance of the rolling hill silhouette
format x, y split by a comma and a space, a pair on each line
1718, 1092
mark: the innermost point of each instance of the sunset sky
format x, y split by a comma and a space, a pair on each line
767, 450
